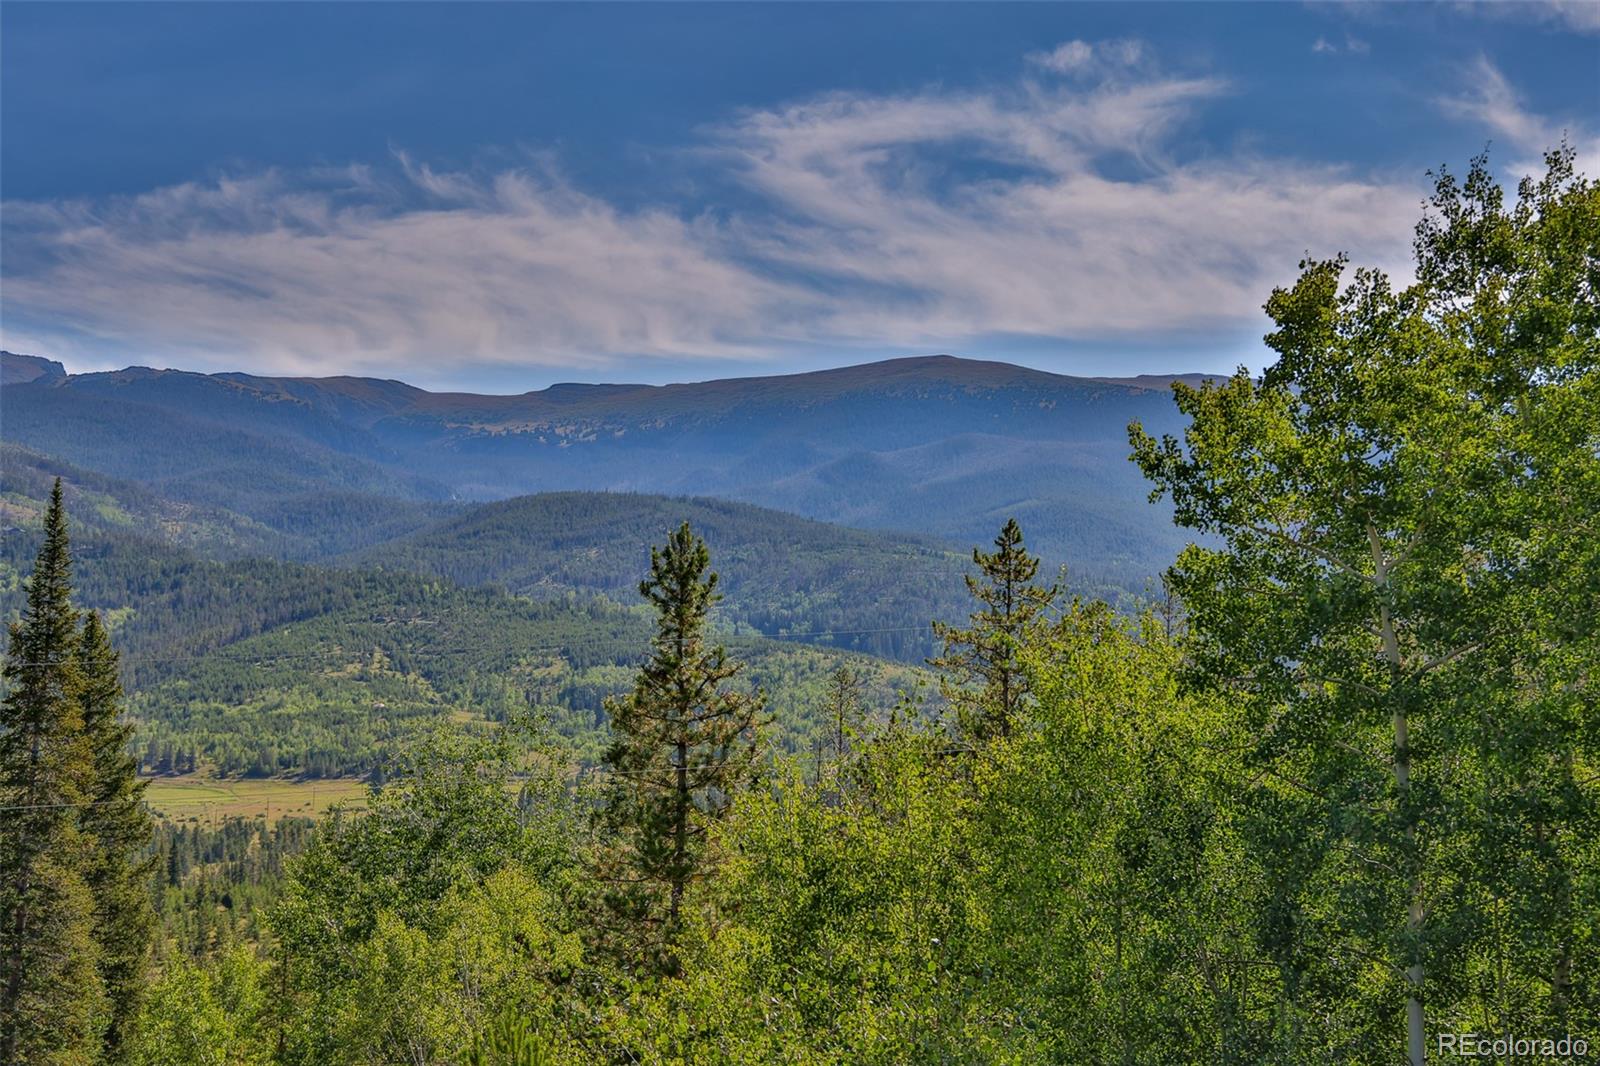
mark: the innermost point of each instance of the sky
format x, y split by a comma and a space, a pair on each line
500, 196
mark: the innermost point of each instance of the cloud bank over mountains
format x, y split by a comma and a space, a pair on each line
1070, 204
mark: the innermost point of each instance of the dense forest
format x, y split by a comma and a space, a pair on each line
261, 667
1331, 796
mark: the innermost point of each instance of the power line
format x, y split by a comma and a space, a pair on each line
222, 652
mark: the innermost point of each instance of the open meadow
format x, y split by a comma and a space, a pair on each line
201, 799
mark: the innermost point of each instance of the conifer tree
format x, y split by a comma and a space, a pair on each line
120, 827
50, 999
980, 671
843, 708
683, 745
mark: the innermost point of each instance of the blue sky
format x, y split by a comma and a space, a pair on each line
499, 196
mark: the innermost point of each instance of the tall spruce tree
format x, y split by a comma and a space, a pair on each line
120, 827
50, 996
683, 745
980, 670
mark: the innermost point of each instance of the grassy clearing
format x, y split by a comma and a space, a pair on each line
201, 799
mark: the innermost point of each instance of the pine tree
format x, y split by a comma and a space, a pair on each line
683, 745
843, 709
50, 999
981, 674
120, 826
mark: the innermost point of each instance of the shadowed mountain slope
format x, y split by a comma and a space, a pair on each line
780, 575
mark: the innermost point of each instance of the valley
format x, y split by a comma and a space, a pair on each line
297, 575
210, 801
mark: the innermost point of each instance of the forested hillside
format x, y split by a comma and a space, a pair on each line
107, 505
785, 577
197, 447
781, 575
261, 667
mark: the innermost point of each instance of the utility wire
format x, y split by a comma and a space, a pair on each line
222, 652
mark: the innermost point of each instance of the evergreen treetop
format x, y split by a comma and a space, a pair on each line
981, 673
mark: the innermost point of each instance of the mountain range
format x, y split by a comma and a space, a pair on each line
938, 446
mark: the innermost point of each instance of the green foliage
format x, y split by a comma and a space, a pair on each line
843, 713
510, 1041
1120, 896
404, 928
1401, 517
215, 884
1073, 892
205, 1016
115, 819
76, 923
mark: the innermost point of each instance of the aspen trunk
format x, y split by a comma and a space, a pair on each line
1416, 1052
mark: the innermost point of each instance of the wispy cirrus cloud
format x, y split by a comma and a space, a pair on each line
1487, 99
1059, 244
1058, 206
295, 271
1578, 16
1084, 58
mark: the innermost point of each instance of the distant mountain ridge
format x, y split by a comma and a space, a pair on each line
21, 369
367, 402
935, 445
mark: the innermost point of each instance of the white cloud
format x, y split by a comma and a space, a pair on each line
1489, 100
507, 267
1065, 58
1085, 59
1578, 16
1060, 248
1053, 208
1352, 44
